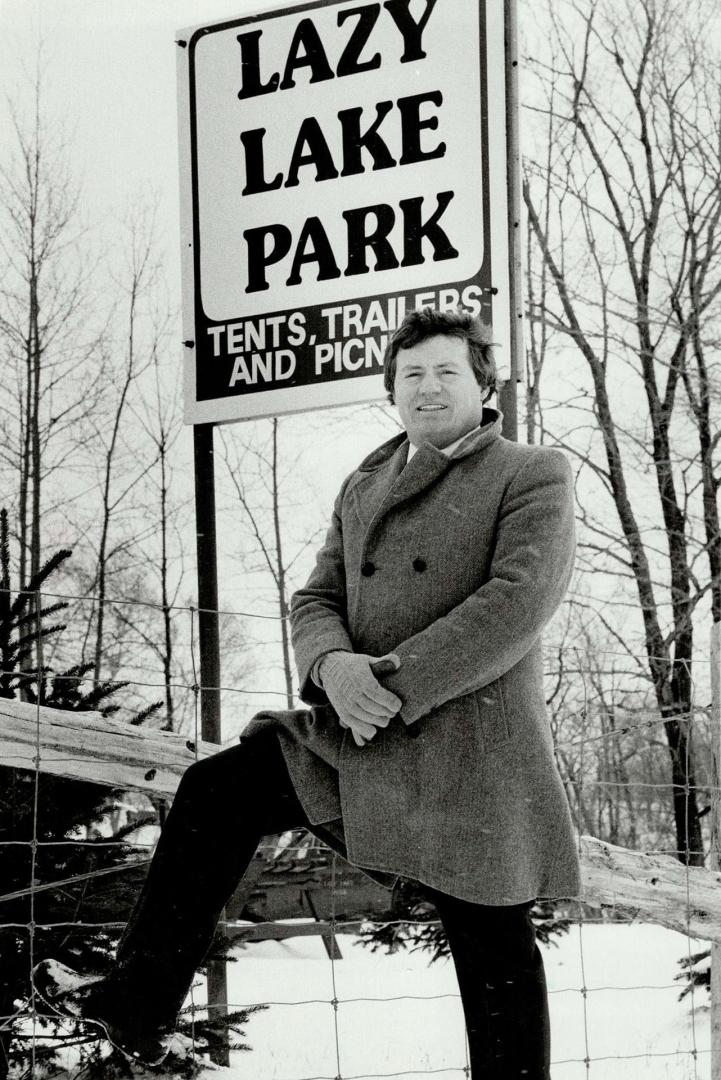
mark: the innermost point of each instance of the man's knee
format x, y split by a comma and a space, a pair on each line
252, 771
207, 773
193, 782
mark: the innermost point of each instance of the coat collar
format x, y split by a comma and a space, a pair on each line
395, 482
397, 447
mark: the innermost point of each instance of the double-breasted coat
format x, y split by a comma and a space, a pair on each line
455, 564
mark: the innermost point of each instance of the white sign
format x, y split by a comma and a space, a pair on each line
341, 163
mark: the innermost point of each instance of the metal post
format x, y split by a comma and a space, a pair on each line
207, 554
716, 841
509, 392
209, 640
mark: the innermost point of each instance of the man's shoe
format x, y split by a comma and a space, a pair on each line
88, 999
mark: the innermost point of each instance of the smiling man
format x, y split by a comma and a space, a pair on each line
448, 551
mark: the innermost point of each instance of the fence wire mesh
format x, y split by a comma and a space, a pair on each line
612, 758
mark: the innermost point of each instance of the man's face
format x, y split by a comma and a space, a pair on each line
436, 391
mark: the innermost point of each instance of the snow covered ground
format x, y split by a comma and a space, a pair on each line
398, 1015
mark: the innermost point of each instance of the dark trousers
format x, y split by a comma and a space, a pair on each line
223, 807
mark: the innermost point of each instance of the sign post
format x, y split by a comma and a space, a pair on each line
516, 303
342, 162
209, 647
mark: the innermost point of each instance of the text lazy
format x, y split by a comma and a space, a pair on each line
307, 50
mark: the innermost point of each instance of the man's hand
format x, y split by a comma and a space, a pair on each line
362, 704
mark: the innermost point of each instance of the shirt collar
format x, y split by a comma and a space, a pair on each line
447, 450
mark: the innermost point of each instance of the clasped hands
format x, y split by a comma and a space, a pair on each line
361, 703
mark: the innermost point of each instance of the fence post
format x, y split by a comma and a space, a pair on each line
716, 841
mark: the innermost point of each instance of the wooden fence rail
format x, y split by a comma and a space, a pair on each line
654, 888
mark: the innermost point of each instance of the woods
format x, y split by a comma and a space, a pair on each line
623, 205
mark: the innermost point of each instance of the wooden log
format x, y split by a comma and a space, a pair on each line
87, 746
656, 888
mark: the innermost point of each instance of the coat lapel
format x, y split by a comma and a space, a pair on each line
380, 473
424, 468
400, 485
395, 482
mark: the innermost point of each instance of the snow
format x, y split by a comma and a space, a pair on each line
401, 1015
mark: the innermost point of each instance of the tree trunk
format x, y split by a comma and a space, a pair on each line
167, 625
280, 576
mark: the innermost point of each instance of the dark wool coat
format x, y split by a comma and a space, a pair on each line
455, 564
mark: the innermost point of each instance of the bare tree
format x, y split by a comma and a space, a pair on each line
129, 560
110, 436
608, 733
624, 214
163, 430
157, 413
261, 485
48, 382
75, 338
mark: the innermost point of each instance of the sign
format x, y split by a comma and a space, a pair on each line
341, 163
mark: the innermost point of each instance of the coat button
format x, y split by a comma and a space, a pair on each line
368, 569
419, 565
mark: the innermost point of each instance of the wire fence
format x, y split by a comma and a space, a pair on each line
614, 759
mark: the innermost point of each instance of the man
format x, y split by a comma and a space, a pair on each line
448, 551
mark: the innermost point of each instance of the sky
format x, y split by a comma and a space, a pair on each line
111, 67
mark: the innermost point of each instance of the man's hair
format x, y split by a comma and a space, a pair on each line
427, 322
